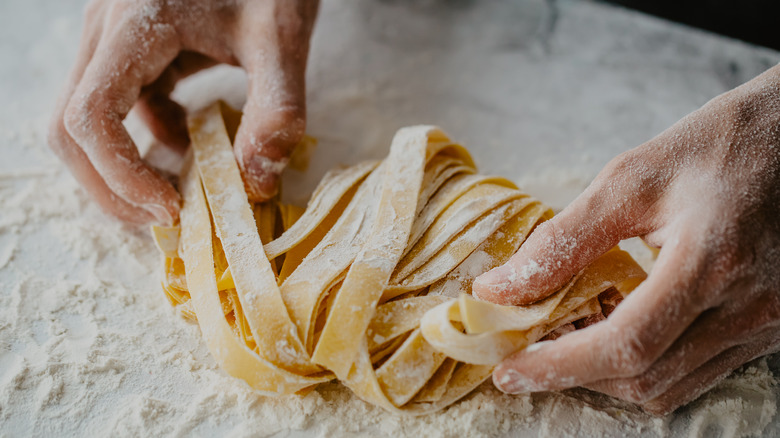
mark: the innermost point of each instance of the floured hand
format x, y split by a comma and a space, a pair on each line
133, 53
707, 192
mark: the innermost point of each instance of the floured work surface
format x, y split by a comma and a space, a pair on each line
90, 348
370, 283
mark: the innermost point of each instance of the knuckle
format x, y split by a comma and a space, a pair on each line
742, 107
278, 134
79, 113
290, 125
84, 110
623, 166
74, 116
751, 109
628, 187
610, 185
538, 268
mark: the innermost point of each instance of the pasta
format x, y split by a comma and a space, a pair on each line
370, 283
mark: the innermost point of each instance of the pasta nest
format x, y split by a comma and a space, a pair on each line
370, 283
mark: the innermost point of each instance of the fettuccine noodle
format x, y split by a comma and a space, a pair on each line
370, 284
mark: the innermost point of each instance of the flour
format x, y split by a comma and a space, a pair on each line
90, 347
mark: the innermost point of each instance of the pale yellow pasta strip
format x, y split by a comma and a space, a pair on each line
398, 317
420, 224
463, 244
435, 387
438, 171
496, 331
462, 212
408, 369
444, 197
332, 188
342, 335
274, 332
167, 239
327, 262
231, 355
493, 252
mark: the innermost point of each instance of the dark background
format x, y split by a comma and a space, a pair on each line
754, 21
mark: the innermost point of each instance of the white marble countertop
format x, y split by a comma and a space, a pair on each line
544, 92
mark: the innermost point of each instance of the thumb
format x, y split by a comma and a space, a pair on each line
560, 248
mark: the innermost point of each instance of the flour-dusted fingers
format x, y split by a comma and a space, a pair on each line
66, 148
714, 332
134, 49
711, 373
81, 168
635, 335
609, 210
706, 192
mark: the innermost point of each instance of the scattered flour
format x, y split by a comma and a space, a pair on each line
88, 345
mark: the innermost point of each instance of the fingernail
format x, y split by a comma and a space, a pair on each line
491, 282
495, 275
160, 213
263, 174
536, 346
509, 380
260, 165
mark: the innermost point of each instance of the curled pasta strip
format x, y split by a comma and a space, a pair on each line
370, 283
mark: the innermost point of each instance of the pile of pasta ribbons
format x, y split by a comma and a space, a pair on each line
370, 283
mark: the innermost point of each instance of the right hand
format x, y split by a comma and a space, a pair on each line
132, 54
707, 192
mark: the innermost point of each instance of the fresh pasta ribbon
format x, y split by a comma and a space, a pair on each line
370, 283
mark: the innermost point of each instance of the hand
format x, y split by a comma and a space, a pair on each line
707, 192
132, 54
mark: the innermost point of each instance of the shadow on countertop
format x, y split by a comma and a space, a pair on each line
753, 21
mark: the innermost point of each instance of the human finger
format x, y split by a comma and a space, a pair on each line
715, 331
274, 119
609, 210
641, 329
131, 53
66, 148
712, 372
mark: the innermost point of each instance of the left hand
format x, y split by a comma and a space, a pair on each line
133, 53
707, 192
